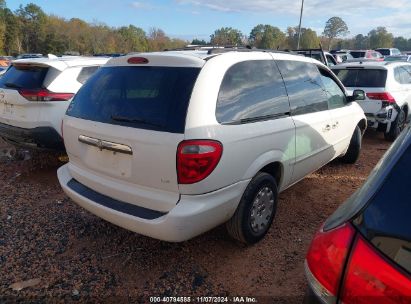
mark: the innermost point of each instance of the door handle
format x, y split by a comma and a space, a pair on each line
335, 125
327, 128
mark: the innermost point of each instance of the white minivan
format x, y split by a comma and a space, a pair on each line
172, 144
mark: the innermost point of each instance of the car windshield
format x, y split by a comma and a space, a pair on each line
154, 98
366, 78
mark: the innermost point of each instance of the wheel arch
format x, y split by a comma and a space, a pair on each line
362, 124
271, 163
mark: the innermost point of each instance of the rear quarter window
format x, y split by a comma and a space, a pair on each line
367, 78
154, 98
24, 76
385, 222
85, 73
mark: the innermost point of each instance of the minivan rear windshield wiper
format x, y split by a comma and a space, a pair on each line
12, 85
134, 120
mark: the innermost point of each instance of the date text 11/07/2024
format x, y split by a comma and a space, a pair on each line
206, 299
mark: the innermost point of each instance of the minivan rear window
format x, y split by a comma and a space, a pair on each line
385, 222
24, 76
365, 78
149, 97
385, 52
357, 54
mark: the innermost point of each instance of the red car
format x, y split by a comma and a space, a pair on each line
362, 253
368, 54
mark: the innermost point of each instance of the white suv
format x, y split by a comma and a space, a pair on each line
172, 144
35, 94
388, 92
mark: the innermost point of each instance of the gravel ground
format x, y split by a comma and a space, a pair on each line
71, 255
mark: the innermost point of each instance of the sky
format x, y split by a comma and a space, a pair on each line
188, 19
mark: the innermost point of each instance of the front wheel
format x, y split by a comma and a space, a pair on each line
255, 212
354, 148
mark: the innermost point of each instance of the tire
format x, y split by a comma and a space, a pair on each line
256, 210
354, 149
396, 127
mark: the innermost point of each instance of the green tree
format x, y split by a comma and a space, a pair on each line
266, 37
33, 21
198, 42
380, 38
133, 39
3, 8
308, 40
157, 39
401, 43
361, 42
226, 36
335, 27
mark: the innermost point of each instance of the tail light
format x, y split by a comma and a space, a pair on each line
383, 96
196, 159
326, 259
137, 60
44, 95
370, 278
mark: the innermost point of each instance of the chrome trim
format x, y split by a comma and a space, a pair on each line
105, 145
320, 291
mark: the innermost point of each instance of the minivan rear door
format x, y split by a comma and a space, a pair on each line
123, 127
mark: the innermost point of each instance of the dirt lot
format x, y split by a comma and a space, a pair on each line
72, 254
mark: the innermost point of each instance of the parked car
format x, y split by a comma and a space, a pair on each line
172, 144
398, 58
362, 253
367, 54
342, 56
5, 61
2, 70
388, 97
388, 51
29, 55
35, 94
318, 54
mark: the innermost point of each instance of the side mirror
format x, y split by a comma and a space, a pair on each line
357, 95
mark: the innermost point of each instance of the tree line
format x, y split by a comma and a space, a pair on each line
30, 30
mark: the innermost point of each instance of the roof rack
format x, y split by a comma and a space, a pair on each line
219, 49
245, 49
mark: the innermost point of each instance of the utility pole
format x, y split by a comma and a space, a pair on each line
299, 25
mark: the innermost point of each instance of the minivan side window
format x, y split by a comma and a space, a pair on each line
304, 86
336, 96
251, 91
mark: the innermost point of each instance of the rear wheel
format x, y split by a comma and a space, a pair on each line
396, 126
254, 215
354, 148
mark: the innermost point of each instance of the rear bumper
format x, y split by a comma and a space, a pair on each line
192, 215
40, 137
384, 117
